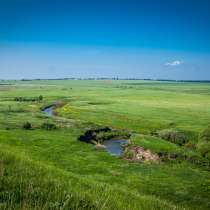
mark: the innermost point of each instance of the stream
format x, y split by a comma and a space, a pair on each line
113, 146
49, 111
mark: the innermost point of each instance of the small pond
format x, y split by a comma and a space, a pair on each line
115, 146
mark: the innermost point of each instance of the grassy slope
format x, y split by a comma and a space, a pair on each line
57, 158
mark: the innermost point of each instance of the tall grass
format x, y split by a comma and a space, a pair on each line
26, 184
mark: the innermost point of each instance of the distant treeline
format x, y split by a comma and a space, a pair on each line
5, 84
113, 78
33, 99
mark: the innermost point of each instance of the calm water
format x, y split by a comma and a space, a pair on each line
115, 146
49, 111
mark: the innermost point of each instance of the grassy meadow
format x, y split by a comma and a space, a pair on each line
52, 169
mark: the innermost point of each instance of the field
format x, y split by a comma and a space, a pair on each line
52, 169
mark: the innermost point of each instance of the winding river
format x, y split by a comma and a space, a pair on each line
113, 146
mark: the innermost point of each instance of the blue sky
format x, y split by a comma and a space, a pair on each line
129, 38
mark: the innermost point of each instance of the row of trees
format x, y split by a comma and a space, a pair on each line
33, 99
45, 125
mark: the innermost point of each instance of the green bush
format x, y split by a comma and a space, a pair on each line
27, 126
128, 153
101, 134
205, 135
173, 136
48, 126
40, 98
208, 155
204, 149
203, 145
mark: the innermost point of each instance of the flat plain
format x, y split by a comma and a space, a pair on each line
52, 169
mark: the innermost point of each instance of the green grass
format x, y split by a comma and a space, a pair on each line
41, 169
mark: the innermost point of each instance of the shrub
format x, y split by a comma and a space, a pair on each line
208, 155
48, 126
128, 154
27, 126
101, 134
204, 143
205, 135
28, 99
173, 136
40, 98
204, 148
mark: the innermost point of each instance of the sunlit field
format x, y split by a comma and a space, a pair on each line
43, 168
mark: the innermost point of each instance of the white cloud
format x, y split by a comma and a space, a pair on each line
174, 63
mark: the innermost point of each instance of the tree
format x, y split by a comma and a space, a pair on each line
40, 98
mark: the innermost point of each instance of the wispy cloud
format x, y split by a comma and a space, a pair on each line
174, 63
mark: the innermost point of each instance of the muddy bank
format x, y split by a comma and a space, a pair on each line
140, 154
